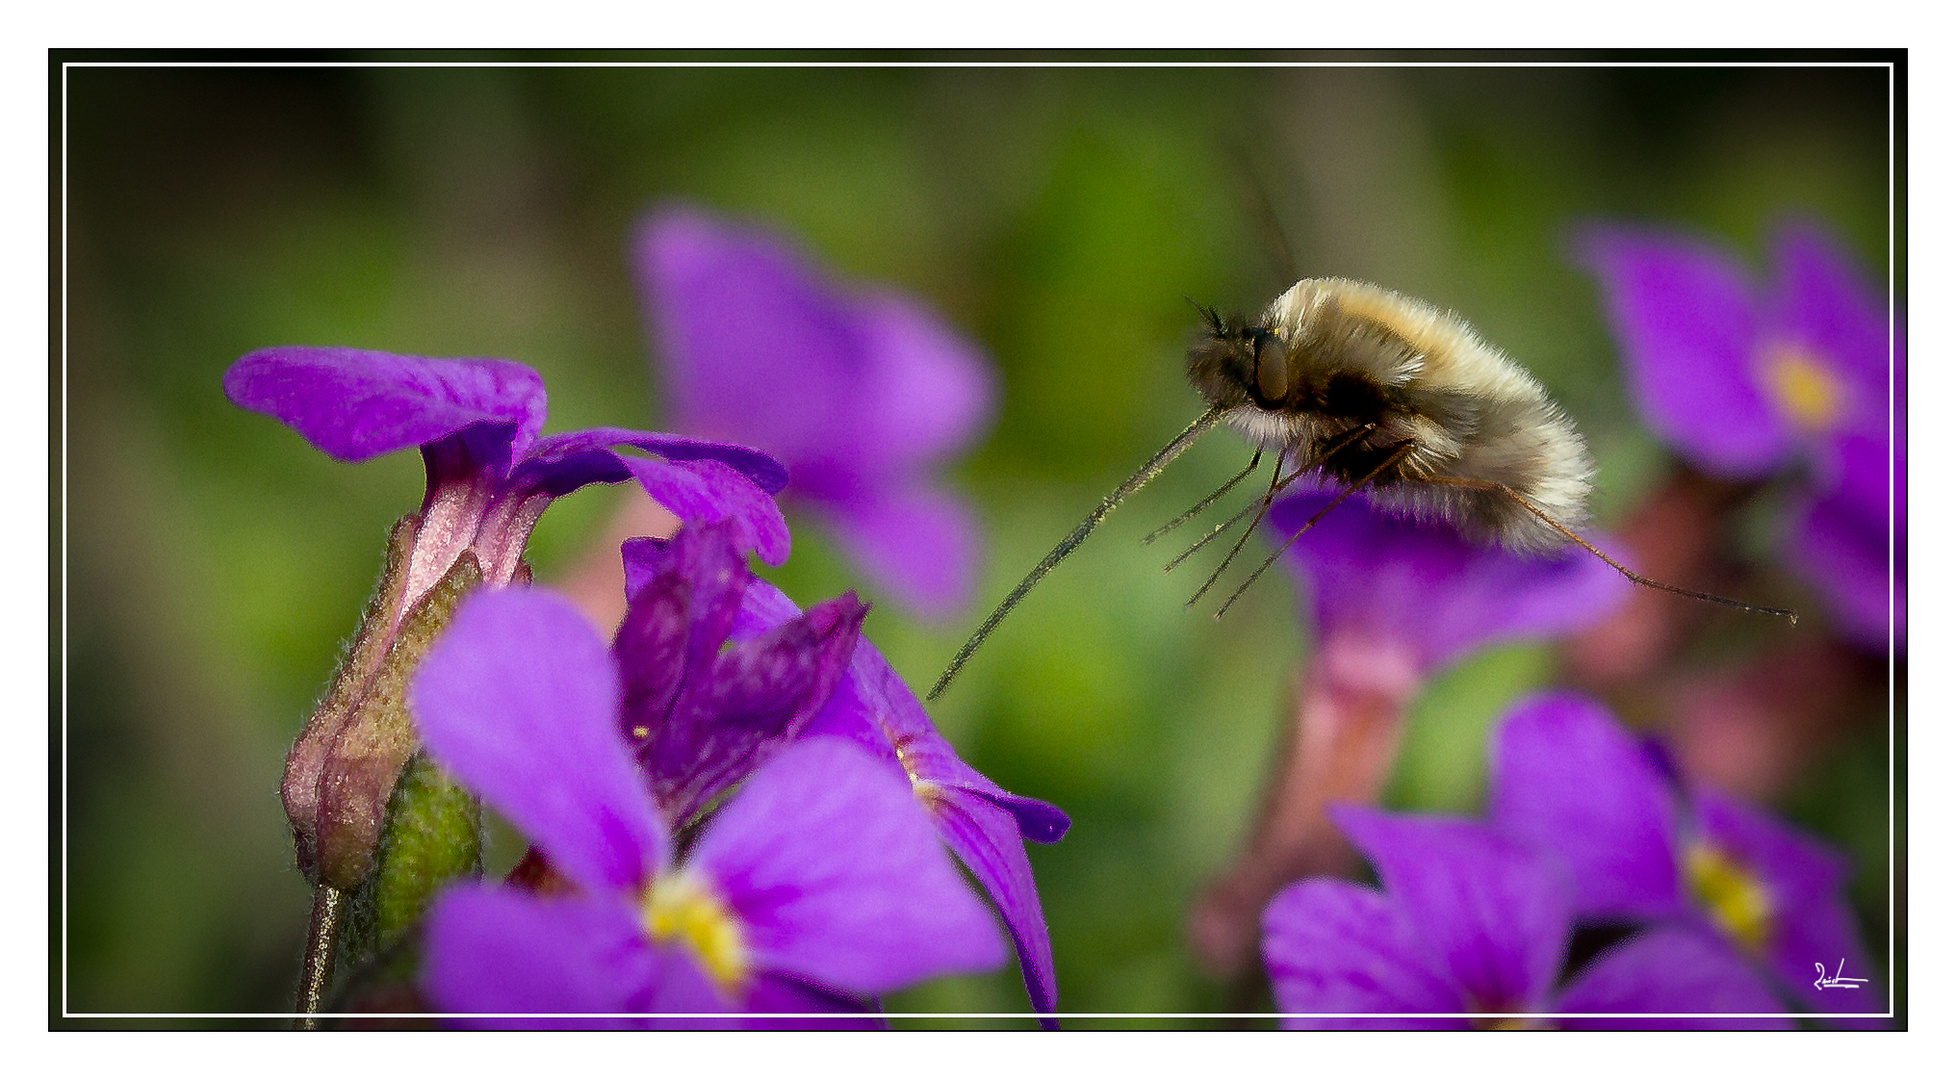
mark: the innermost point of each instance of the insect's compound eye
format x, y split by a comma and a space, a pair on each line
1272, 369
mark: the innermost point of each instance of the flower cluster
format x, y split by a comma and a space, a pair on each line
821, 881
1716, 908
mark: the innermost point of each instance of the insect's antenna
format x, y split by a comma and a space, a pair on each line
1262, 506
1209, 314
1073, 540
1404, 449
1792, 617
1204, 504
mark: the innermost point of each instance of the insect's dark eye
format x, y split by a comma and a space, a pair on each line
1272, 369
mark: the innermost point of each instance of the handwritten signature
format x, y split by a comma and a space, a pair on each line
1834, 981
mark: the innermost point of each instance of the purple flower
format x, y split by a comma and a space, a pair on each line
861, 393
818, 884
1735, 379
1565, 777
490, 475
1389, 593
1471, 925
1741, 381
873, 708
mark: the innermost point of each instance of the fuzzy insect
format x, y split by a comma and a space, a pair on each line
1375, 391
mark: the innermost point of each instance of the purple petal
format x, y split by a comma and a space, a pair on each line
1670, 970
920, 545
519, 700
928, 391
1495, 913
1683, 315
355, 404
773, 992
836, 875
1821, 302
1424, 585
564, 462
986, 839
497, 950
1839, 542
1567, 779
756, 699
1335, 947
675, 625
756, 348
706, 491
1811, 921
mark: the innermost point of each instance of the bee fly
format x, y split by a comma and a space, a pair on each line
1376, 392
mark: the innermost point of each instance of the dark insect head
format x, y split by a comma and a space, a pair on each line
1238, 362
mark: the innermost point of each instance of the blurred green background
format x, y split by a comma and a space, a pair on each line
1059, 216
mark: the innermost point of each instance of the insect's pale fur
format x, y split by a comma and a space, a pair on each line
1467, 410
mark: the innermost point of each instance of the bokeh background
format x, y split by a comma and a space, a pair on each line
1059, 216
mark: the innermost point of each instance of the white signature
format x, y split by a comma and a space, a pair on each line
1826, 981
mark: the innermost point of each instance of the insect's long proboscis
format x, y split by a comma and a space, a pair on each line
1074, 539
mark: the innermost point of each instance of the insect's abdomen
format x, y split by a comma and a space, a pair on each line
1425, 380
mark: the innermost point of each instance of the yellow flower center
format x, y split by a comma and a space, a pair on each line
1803, 384
1737, 899
682, 907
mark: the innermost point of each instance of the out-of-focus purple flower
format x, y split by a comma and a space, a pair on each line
817, 885
1470, 925
490, 476
1419, 596
861, 393
1735, 378
873, 708
1739, 381
490, 473
1566, 778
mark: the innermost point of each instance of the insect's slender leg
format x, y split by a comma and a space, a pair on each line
1074, 539
1262, 507
1791, 617
1396, 456
1343, 440
1278, 481
1205, 503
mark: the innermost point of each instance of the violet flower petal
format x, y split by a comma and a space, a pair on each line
836, 875
1811, 922
1423, 584
919, 544
1820, 301
676, 622
1684, 316
928, 391
498, 950
1671, 969
569, 460
986, 839
1495, 913
1839, 542
1567, 779
519, 700
1335, 947
355, 404
757, 698
773, 992
705, 491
